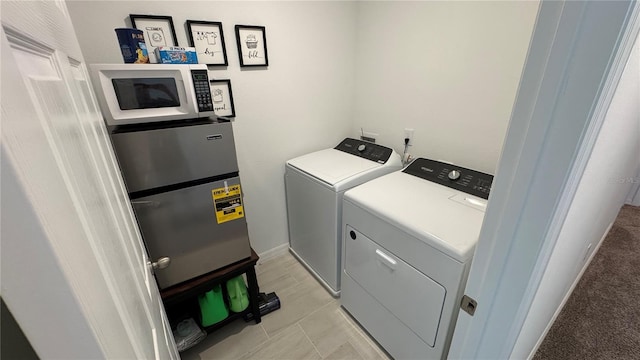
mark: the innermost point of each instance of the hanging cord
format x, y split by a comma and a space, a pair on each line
405, 157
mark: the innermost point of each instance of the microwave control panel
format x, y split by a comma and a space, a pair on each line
203, 91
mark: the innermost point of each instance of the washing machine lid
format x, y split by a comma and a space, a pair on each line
444, 218
333, 166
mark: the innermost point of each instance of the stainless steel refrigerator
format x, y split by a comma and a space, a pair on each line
185, 190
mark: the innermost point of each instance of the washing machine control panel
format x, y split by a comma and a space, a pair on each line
456, 177
364, 149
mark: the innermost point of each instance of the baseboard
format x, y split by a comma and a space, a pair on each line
568, 294
271, 253
634, 195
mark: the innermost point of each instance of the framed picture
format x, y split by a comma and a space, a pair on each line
252, 45
158, 31
208, 39
222, 97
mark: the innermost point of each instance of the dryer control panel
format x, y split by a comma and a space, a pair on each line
366, 150
456, 177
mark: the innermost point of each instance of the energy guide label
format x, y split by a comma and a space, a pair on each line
228, 203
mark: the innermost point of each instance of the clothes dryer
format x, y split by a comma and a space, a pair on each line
409, 238
315, 184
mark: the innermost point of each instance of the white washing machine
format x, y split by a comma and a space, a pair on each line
409, 237
315, 184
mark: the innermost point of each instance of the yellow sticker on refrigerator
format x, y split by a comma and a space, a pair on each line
228, 203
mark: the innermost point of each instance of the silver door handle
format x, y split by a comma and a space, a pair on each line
160, 264
145, 203
388, 260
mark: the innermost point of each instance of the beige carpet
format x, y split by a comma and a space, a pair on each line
601, 319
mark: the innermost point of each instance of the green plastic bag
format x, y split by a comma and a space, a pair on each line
212, 306
237, 290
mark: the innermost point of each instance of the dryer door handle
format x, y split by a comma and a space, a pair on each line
387, 260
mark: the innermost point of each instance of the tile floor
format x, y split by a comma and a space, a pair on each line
309, 325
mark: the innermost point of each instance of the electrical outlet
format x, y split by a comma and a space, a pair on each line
408, 134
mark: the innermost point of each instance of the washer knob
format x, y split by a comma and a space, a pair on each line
361, 147
454, 175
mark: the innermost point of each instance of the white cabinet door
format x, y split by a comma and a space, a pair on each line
56, 145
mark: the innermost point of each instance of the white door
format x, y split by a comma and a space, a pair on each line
576, 57
56, 150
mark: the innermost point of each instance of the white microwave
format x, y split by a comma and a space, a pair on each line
143, 93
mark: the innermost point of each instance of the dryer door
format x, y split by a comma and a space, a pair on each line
411, 296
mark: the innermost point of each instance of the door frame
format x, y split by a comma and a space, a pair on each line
576, 57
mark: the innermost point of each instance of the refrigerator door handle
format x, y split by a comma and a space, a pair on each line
141, 203
161, 263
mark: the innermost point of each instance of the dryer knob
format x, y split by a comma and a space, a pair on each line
454, 175
361, 147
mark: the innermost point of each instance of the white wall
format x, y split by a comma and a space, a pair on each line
449, 70
602, 191
301, 103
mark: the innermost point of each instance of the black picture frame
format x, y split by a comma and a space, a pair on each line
252, 45
222, 98
155, 29
208, 39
